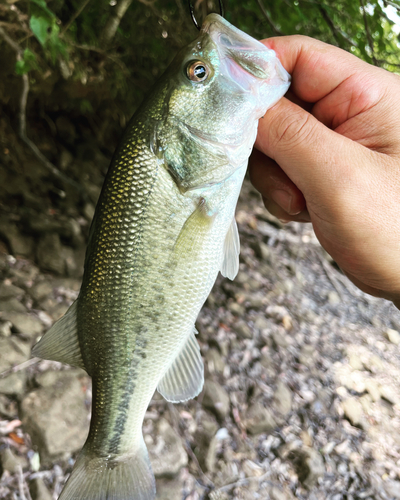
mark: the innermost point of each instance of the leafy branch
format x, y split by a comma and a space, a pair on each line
368, 32
268, 18
20, 54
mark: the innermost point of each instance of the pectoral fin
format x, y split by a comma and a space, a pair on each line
193, 232
184, 379
61, 342
230, 264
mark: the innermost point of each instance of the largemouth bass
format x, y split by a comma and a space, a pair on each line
164, 227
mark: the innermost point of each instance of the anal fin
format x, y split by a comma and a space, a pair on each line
61, 343
185, 378
230, 264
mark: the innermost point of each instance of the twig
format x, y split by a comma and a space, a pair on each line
369, 36
330, 24
77, 13
20, 367
11, 43
112, 58
21, 483
22, 120
243, 482
330, 276
268, 18
113, 22
175, 417
393, 4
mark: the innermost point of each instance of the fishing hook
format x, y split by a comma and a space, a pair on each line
191, 10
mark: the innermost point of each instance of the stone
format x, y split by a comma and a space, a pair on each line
309, 465
277, 312
13, 351
214, 361
168, 489
7, 407
242, 278
287, 322
236, 309
88, 211
65, 158
254, 284
262, 323
206, 430
392, 489
19, 245
11, 462
9, 291
49, 253
56, 416
276, 493
353, 410
24, 323
307, 354
266, 358
334, 298
255, 301
355, 362
375, 364
373, 389
262, 250
280, 338
167, 454
74, 261
259, 420
283, 398
12, 305
242, 329
41, 290
5, 328
39, 490
251, 469
389, 394
211, 455
392, 335
216, 398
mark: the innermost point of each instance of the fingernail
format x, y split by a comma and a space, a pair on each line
284, 200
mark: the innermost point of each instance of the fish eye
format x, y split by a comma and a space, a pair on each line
197, 71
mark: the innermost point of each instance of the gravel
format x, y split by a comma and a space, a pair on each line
302, 392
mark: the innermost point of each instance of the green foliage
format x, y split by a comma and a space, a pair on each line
26, 63
43, 24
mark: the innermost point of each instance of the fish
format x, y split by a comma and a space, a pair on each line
164, 227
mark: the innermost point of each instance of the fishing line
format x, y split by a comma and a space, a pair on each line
191, 10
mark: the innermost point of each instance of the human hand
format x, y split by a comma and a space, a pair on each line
329, 153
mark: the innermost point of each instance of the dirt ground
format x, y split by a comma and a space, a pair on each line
302, 392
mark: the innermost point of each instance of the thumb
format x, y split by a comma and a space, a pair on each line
320, 162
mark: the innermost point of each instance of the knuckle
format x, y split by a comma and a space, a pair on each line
294, 129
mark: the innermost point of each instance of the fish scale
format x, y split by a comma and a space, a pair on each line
164, 227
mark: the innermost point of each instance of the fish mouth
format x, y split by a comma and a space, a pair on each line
244, 58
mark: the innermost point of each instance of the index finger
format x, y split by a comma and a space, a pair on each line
317, 68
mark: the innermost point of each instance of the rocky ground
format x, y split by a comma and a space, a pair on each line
302, 391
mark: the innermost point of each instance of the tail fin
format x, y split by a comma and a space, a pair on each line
125, 477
